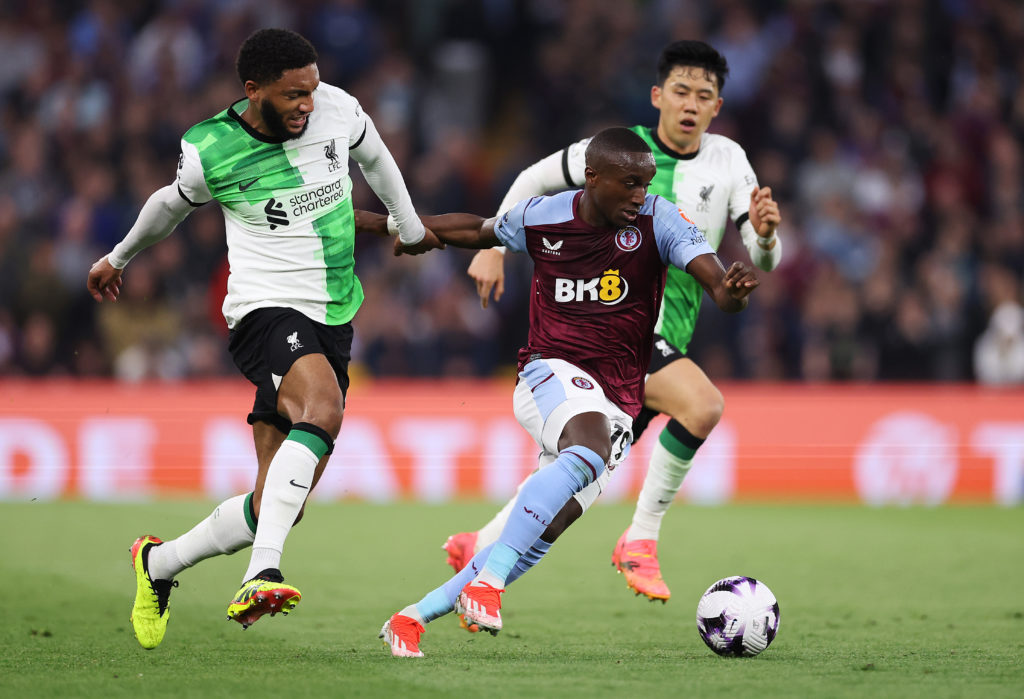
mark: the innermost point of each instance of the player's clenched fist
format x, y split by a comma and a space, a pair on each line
104, 280
740, 280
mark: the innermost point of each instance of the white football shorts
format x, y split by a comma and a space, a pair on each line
551, 392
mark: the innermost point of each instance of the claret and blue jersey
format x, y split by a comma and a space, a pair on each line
597, 291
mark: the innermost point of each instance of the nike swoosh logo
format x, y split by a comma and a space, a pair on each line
304, 487
243, 187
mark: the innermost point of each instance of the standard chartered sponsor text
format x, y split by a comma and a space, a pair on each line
320, 198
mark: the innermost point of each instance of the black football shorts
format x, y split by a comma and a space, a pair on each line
663, 353
266, 343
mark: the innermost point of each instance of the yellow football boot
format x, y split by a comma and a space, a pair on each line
150, 611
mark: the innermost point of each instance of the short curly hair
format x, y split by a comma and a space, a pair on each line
268, 53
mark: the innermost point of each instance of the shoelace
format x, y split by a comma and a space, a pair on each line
162, 589
486, 595
402, 625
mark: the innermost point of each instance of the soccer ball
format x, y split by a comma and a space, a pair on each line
738, 616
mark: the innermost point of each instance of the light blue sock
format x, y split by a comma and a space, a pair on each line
528, 560
541, 498
440, 601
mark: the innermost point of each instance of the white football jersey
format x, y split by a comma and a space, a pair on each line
287, 207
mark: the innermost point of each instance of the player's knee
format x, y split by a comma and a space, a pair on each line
326, 412
705, 413
714, 406
585, 462
599, 448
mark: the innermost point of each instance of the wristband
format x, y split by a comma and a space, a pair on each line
393, 231
766, 243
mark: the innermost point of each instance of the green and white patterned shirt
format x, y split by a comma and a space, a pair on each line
287, 207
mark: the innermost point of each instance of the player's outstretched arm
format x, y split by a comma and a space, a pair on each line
164, 210
728, 288
370, 223
463, 230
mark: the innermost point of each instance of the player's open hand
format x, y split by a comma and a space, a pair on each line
430, 242
764, 211
104, 280
740, 280
488, 271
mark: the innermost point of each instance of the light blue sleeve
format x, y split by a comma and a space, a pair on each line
510, 226
678, 239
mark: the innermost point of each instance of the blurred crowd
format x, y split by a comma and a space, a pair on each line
890, 131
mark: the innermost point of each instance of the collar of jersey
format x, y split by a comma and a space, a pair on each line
672, 153
248, 127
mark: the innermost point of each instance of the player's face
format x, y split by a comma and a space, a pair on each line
285, 104
619, 189
688, 101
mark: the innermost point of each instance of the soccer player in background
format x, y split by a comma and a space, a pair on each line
707, 176
600, 257
277, 163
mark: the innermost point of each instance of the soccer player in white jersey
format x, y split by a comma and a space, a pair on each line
276, 162
707, 176
600, 257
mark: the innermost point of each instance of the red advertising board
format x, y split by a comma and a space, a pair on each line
438, 440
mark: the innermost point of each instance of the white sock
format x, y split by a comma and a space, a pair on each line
486, 576
664, 477
225, 531
289, 478
413, 613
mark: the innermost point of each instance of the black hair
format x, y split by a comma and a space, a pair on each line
607, 144
268, 53
690, 52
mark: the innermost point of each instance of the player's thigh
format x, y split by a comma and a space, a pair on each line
683, 391
310, 393
270, 347
309, 364
551, 392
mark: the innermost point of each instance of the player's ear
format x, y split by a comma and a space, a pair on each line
656, 96
590, 174
252, 90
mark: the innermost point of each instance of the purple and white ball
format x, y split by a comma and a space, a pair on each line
738, 616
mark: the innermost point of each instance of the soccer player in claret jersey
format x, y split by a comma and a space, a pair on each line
707, 176
600, 257
277, 163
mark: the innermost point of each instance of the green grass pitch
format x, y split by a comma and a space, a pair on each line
874, 603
